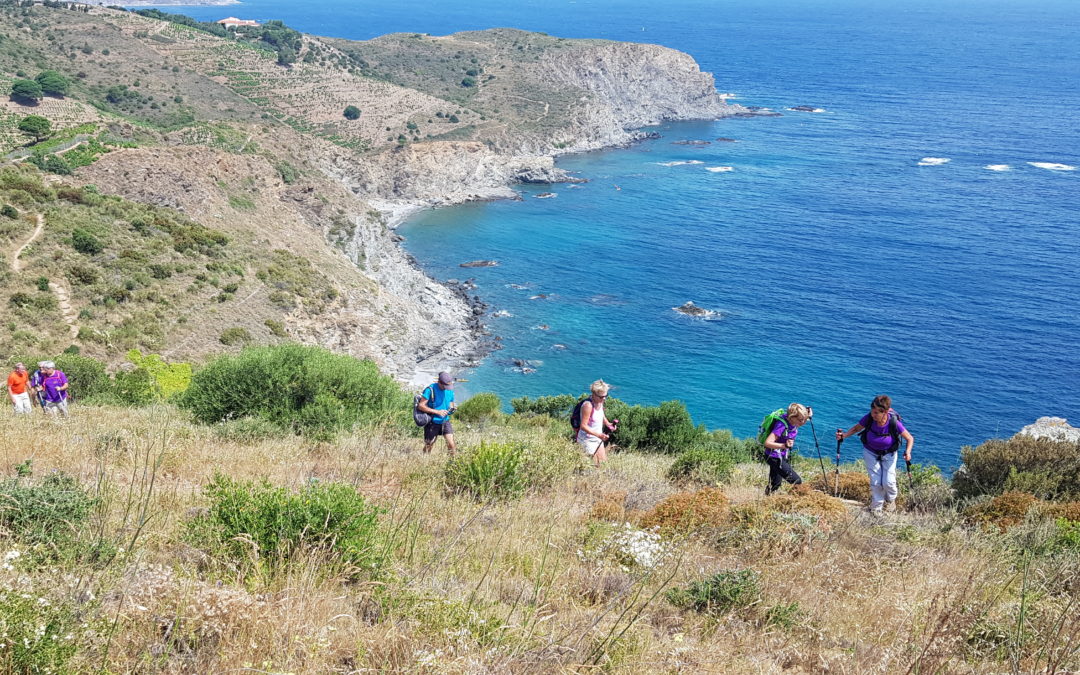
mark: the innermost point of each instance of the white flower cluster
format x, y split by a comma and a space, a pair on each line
9, 559
631, 548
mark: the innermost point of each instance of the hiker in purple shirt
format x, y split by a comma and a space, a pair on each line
779, 443
54, 385
881, 432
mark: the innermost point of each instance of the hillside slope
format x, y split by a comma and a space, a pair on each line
216, 133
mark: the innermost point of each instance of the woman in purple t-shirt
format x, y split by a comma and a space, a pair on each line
881, 432
779, 443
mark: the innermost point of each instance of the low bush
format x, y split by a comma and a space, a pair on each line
727, 591
1049, 469
479, 408
854, 485
553, 406
37, 633
710, 462
686, 512
87, 378
307, 390
85, 242
134, 387
234, 336
1003, 511
508, 470
45, 514
274, 525
666, 428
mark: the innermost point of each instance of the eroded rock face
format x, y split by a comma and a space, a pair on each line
1055, 428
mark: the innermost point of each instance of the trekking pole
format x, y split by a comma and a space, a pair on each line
836, 472
910, 482
824, 478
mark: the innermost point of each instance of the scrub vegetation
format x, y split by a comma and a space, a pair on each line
155, 541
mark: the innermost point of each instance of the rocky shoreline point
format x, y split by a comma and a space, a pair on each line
1054, 428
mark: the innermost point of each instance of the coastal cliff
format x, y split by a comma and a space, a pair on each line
261, 151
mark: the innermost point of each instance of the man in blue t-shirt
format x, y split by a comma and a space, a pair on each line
439, 403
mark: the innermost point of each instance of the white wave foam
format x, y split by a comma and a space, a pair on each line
1051, 166
933, 161
997, 167
681, 162
501, 313
719, 169
806, 109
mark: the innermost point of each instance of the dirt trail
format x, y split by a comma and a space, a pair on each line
16, 264
63, 296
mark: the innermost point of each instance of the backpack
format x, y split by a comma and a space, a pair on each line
778, 415
421, 418
893, 431
575, 416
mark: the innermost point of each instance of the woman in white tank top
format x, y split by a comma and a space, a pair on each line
591, 434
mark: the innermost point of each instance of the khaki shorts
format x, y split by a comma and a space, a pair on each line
589, 443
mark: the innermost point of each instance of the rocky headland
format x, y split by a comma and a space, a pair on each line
263, 152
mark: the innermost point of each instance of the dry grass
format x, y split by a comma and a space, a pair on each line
504, 587
852, 485
686, 512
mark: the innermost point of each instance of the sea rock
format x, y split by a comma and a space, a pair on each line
690, 142
546, 195
690, 309
1055, 428
806, 108
723, 139
480, 263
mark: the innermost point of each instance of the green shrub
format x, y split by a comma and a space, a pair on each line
479, 408
234, 336
44, 514
42, 284
351, 112
279, 384
1065, 539
9, 211
277, 525
277, 329
37, 633
784, 615
134, 387
553, 406
711, 461
84, 242
53, 82
508, 470
168, 379
666, 428
724, 592
1046, 468
86, 376
489, 471
28, 90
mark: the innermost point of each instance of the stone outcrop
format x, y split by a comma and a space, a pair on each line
1055, 428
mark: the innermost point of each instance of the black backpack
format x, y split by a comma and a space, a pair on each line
575, 416
894, 431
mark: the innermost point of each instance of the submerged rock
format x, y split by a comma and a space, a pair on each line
546, 195
724, 139
691, 142
480, 263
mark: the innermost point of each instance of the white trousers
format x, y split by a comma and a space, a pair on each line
22, 402
882, 478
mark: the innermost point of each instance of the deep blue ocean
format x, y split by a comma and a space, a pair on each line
842, 267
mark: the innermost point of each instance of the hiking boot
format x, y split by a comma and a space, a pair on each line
890, 507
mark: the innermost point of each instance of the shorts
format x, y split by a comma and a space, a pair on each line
433, 430
53, 406
22, 402
589, 443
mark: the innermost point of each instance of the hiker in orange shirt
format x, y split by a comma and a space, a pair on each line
18, 390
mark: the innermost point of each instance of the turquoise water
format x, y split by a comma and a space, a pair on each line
842, 268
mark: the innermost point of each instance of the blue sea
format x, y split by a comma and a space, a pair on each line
842, 268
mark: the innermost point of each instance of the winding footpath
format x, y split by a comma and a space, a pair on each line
63, 296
